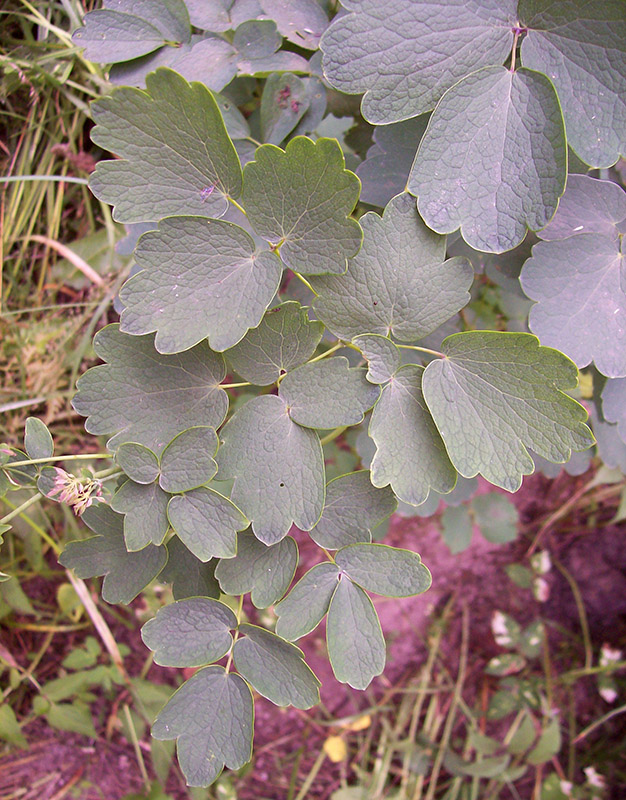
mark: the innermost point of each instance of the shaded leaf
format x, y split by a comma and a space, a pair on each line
398, 283
145, 513
390, 571
190, 633
275, 668
307, 603
265, 572
383, 357
614, 404
221, 15
482, 167
548, 744
302, 198
37, 439
187, 462
497, 394
284, 102
189, 576
277, 466
496, 516
138, 462
300, 21
456, 529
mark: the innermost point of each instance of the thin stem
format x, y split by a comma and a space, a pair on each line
422, 350
236, 204
56, 178
17, 511
325, 354
609, 715
136, 748
304, 281
234, 385
236, 636
80, 457
514, 51
333, 434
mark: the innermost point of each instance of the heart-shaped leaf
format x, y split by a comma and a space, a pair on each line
307, 603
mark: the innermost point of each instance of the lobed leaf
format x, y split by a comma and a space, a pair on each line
385, 570
187, 462
383, 357
145, 513
300, 21
307, 603
189, 576
138, 462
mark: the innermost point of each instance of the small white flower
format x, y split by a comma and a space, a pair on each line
609, 655
594, 778
567, 787
608, 694
541, 590
541, 562
500, 630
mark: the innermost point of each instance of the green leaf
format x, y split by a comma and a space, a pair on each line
383, 357
278, 468
126, 574
496, 516
493, 160
189, 576
200, 278
356, 647
176, 157
577, 275
614, 404
265, 572
405, 55
300, 21
190, 633
9, 727
506, 664
307, 603
497, 394
138, 462
143, 396
523, 737
275, 668
72, 717
145, 513
37, 439
385, 570
284, 340
456, 529
410, 453
212, 716
548, 744
328, 393
284, 102
353, 507
385, 170
564, 41
398, 283
302, 198
207, 522
187, 462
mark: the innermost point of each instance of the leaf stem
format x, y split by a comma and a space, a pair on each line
236, 204
17, 511
234, 385
236, 636
333, 434
304, 281
514, 50
326, 353
422, 350
79, 457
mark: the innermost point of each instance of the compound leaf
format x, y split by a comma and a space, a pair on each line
614, 404
189, 576
564, 41
275, 668
37, 439
496, 394
353, 507
190, 633
398, 283
385, 570
125, 574
404, 55
383, 357
138, 462
410, 453
145, 513
482, 166
302, 198
175, 154
265, 572
284, 340
187, 462
496, 516
307, 603
212, 716
145, 397
328, 393
207, 523
278, 468
577, 275
300, 21
356, 647
200, 278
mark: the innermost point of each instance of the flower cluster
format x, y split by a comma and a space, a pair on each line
79, 493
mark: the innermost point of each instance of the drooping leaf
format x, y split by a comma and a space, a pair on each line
284, 102
189, 576
145, 397
496, 516
275, 668
301, 21
284, 340
483, 168
207, 522
398, 283
145, 513
356, 647
307, 603
456, 529
385, 170
383, 357
190, 633
614, 404
353, 507
126, 574
211, 715
577, 275
410, 453
37, 439
390, 571
138, 462
176, 157
301, 198
200, 278
564, 40
328, 393
404, 55
497, 394
265, 572
277, 466
187, 462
